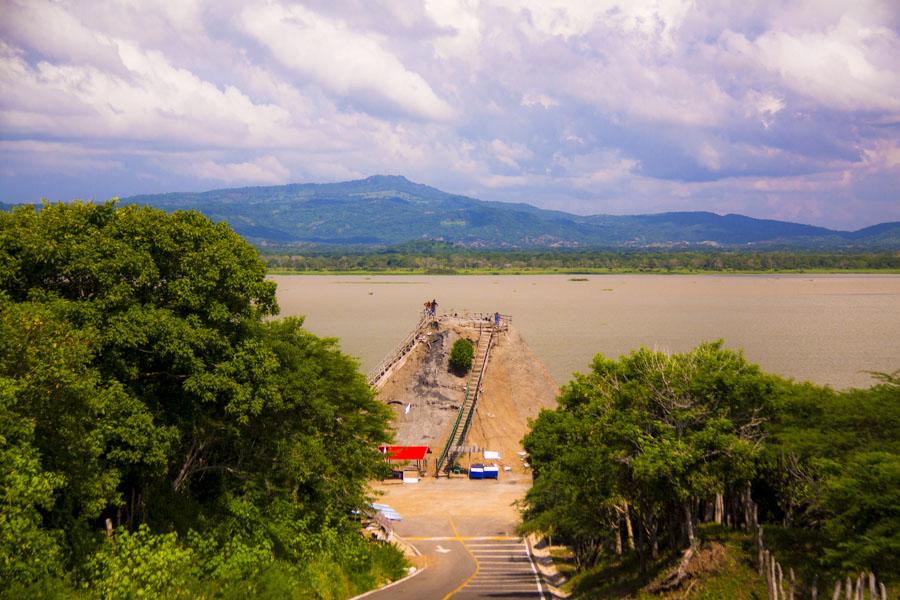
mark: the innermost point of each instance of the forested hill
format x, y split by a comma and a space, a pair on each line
387, 210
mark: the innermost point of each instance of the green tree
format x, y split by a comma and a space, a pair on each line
461, 354
29, 552
141, 382
834, 462
650, 438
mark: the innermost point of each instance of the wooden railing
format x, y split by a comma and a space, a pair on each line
399, 351
479, 318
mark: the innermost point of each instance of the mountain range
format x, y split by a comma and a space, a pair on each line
385, 210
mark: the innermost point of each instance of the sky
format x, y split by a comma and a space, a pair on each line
776, 109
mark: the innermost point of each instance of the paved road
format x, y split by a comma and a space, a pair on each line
469, 560
505, 570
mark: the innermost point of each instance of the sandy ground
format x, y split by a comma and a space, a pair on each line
425, 396
478, 507
465, 531
516, 387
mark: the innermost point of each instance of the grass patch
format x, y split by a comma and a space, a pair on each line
724, 569
563, 560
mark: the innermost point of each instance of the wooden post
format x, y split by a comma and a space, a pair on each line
780, 574
873, 589
859, 586
837, 590
760, 561
848, 588
883, 591
770, 576
793, 583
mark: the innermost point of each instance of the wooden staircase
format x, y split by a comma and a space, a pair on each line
467, 409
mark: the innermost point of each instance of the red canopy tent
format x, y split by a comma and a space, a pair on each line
403, 454
400, 453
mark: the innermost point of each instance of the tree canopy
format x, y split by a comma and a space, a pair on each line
644, 448
143, 381
645, 438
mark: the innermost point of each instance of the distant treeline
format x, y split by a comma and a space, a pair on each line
451, 260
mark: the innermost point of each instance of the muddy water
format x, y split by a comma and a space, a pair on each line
827, 329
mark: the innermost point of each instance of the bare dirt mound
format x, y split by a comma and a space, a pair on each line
516, 387
426, 396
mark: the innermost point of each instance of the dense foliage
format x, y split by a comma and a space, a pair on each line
461, 355
446, 259
643, 449
833, 463
151, 416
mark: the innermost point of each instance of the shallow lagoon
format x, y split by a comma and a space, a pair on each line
829, 329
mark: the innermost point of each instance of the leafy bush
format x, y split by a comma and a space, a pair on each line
141, 564
461, 355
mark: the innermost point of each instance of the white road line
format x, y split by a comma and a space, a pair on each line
536, 575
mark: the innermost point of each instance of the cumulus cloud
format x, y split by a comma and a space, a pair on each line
155, 101
769, 109
847, 66
342, 60
266, 169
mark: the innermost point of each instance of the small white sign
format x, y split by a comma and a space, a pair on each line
491, 455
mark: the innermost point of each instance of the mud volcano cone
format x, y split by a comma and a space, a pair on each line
426, 395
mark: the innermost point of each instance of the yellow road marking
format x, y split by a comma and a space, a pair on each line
477, 564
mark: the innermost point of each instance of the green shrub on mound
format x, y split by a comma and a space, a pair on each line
461, 356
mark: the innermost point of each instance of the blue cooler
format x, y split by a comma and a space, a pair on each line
491, 472
476, 472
